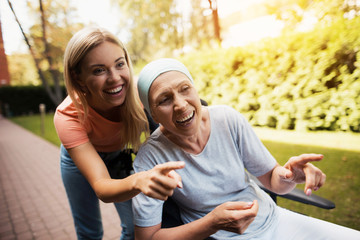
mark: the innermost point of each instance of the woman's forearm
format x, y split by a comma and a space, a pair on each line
199, 229
117, 190
158, 182
230, 216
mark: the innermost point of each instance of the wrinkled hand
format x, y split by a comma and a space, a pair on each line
234, 216
299, 170
161, 181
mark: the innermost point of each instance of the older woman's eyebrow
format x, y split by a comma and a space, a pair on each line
183, 82
120, 58
162, 94
168, 89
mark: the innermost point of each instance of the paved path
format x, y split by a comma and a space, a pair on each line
33, 203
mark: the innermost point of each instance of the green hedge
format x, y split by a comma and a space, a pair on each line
303, 81
24, 100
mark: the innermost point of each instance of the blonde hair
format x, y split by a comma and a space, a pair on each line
132, 113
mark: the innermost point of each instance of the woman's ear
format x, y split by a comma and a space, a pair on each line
76, 78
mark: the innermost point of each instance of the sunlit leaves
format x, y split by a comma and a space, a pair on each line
58, 16
153, 26
306, 81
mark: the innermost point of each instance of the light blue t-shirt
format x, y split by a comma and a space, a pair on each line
212, 177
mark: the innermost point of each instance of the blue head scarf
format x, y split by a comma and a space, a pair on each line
152, 70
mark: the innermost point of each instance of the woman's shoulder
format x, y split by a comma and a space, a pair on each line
66, 107
66, 117
157, 143
154, 140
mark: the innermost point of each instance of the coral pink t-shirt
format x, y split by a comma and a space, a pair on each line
105, 135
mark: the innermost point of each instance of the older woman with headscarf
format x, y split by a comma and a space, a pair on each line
218, 146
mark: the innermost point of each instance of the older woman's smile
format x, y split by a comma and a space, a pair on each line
187, 118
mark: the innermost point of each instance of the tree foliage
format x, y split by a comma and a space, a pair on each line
154, 27
201, 30
158, 27
295, 12
22, 70
303, 81
46, 41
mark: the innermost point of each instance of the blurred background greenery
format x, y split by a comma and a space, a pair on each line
297, 84
304, 77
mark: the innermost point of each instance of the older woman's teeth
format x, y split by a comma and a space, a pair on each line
186, 118
114, 91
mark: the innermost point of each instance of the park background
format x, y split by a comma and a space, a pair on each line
291, 67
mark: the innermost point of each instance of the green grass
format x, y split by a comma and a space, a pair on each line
33, 124
342, 185
334, 140
341, 164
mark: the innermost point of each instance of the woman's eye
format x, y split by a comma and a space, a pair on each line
98, 71
185, 88
120, 64
164, 100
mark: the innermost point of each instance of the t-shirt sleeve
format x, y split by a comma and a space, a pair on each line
69, 129
256, 157
147, 211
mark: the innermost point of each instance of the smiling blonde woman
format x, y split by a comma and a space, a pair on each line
97, 124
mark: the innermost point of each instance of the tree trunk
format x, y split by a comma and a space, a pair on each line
215, 15
56, 94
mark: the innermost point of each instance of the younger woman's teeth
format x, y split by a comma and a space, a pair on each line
115, 90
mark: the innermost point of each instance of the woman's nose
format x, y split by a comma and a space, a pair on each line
114, 75
180, 103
